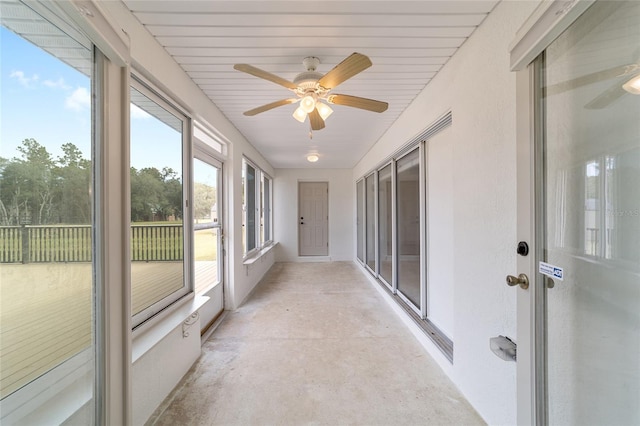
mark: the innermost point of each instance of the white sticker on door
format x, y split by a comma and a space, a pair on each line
551, 271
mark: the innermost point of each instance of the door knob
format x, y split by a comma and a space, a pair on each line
521, 280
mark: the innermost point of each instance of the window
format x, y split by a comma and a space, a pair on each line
256, 208
250, 201
265, 219
158, 238
47, 243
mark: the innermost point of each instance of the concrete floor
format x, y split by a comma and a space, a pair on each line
314, 344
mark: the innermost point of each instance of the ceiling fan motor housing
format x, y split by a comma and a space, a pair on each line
307, 80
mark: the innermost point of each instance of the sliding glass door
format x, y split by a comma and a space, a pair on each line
385, 225
360, 220
48, 233
590, 220
408, 217
370, 187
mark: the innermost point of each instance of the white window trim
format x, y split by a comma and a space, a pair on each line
545, 24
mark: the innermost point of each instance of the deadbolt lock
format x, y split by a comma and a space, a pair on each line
521, 280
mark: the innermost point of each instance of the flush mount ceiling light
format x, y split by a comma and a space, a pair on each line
311, 87
312, 158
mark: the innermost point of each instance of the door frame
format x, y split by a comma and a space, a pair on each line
300, 183
544, 25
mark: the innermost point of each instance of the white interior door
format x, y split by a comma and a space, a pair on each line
313, 223
584, 301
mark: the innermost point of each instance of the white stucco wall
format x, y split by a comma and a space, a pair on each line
440, 219
341, 212
154, 375
477, 86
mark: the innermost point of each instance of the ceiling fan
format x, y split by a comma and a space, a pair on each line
311, 88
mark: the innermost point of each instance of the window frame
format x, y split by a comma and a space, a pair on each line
260, 241
266, 218
147, 89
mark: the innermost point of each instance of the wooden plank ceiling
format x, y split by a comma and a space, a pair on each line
407, 41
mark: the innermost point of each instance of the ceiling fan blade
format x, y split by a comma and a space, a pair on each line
250, 69
357, 102
352, 65
595, 77
317, 123
608, 96
267, 107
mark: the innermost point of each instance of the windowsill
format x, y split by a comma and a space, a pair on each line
258, 255
149, 335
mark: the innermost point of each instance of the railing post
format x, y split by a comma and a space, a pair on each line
25, 244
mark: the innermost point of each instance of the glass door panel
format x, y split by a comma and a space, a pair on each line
591, 219
384, 224
370, 185
207, 225
360, 219
47, 221
408, 205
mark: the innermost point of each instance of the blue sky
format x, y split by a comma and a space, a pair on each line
45, 99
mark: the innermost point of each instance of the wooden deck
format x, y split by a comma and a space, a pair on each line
45, 311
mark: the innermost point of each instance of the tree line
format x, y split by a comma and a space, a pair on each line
38, 189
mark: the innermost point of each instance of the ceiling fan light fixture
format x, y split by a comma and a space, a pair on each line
308, 103
633, 86
312, 158
324, 110
300, 114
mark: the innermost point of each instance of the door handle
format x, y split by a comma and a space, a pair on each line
521, 280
